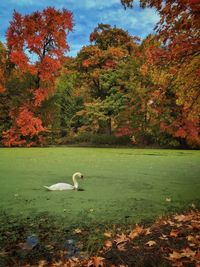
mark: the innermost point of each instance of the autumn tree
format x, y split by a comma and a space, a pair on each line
99, 66
4, 99
3, 59
36, 44
178, 31
178, 26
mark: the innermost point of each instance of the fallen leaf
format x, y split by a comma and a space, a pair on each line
151, 243
121, 239
77, 231
42, 263
170, 223
108, 234
163, 237
96, 262
148, 231
193, 241
137, 231
182, 218
168, 199
195, 225
175, 255
108, 244
197, 257
121, 247
187, 252
174, 233
193, 206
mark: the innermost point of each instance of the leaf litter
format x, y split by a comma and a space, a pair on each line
170, 241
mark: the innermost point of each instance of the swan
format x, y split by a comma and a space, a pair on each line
64, 186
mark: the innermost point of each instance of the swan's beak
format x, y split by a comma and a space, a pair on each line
81, 176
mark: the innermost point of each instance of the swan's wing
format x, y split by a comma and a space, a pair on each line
61, 186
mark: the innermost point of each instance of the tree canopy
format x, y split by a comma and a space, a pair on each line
117, 86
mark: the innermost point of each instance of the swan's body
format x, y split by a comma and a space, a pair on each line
64, 186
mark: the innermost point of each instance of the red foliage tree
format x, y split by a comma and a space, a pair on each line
178, 26
26, 129
40, 36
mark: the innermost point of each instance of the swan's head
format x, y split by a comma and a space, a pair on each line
80, 175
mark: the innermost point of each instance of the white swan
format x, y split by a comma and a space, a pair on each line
64, 186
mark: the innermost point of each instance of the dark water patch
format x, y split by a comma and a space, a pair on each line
154, 154
142, 154
183, 153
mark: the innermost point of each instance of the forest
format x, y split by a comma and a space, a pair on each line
119, 90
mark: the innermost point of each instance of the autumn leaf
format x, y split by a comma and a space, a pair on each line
163, 237
151, 243
180, 218
96, 262
137, 231
168, 199
42, 263
121, 247
175, 255
148, 231
195, 225
108, 244
187, 252
107, 234
77, 231
121, 239
197, 257
174, 233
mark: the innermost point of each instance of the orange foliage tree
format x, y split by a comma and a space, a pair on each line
36, 43
178, 30
179, 24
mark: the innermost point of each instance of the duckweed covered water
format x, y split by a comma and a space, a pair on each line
120, 185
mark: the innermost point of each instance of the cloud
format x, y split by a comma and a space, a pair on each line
88, 4
74, 49
87, 15
22, 2
138, 22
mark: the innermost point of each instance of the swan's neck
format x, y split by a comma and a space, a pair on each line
75, 181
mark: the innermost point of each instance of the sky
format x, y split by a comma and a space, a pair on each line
86, 15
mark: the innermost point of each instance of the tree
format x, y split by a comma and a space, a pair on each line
179, 34
40, 36
104, 36
178, 26
3, 61
68, 98
99, 67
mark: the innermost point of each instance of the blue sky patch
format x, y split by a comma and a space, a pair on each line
87, 14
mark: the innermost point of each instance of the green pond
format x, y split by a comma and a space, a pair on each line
120, 185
